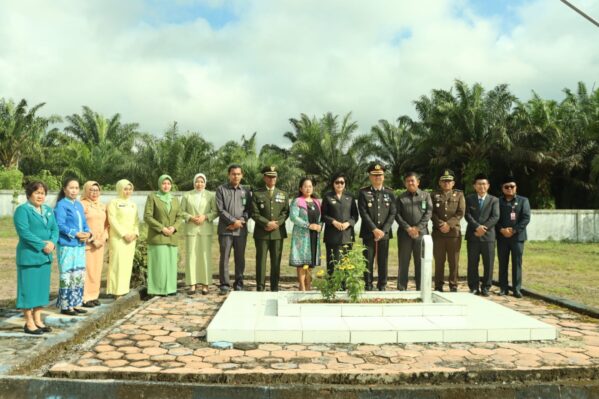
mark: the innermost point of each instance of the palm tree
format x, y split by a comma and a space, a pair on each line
394, 145
325, 146
20, 131
91, 128
465, 131
181, 156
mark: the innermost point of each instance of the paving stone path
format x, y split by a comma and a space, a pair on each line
164, 339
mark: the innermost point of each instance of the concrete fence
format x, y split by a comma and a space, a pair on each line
577, 225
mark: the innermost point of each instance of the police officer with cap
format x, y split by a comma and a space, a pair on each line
270, 209
376, 205
449, 207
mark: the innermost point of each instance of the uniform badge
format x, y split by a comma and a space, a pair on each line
261, 206
437, 204
370, 204
333, 202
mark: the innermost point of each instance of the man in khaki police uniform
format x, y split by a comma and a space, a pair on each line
270, 209
448, 209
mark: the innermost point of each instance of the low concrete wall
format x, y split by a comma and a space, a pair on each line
577, 225
46, 388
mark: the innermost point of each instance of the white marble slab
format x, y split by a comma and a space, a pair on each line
454, 317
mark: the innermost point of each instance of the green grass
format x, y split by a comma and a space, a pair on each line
564, 269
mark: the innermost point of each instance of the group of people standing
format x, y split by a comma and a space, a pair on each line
80, 230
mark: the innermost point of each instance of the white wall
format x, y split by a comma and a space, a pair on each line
575, 225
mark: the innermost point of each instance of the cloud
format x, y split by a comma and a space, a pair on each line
230, 67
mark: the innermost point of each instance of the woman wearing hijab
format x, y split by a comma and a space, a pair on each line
95, 215
124, 231
305, 238
74, 233
38, 235
163, 216
199, 210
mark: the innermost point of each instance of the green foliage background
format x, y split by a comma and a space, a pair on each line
550, 146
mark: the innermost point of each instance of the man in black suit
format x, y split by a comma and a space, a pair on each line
376, 205
482, 213
514, 216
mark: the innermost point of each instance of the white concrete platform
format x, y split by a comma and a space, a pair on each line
451, 317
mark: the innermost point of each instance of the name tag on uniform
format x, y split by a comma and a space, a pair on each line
423, 205
513, 216
122, 205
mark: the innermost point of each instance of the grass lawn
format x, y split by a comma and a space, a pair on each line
568, 270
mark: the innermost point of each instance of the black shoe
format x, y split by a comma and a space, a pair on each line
382, 288
485, 292
45, 329
223, 291
274, 289
259, 289
475, 292
68, 312
368, 288
453, 289
96, 302
517, 294
439, 289
37, 331
502, 292
80, 310
88, 304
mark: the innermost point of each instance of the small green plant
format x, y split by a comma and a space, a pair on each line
348, 275
140, 259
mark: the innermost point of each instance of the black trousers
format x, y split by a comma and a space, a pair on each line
227, 242
407, 247
381, 250
335, 254
263, 248
505, 246
476, 250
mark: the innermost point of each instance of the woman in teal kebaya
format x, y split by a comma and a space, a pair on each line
38, 234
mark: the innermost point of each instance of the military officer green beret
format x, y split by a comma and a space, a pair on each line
447, 175
269, 171
376, 168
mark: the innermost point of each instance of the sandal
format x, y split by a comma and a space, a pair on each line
204, 291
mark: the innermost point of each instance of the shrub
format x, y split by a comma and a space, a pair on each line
348, 275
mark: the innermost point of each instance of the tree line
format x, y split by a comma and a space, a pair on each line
551, 147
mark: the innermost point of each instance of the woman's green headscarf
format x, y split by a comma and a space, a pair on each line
163, 196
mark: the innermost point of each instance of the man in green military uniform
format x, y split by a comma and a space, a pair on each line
270, 209
448, 209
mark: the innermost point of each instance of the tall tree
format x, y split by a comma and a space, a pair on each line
394, 145
465, 130
20, 130
180, 155
325, 146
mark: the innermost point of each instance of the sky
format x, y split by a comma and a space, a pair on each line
226, 68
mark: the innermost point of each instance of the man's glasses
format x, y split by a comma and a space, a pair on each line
509, 186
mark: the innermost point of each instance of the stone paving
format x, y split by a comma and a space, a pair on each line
165, 340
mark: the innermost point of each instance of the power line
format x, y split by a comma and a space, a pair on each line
572, 6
